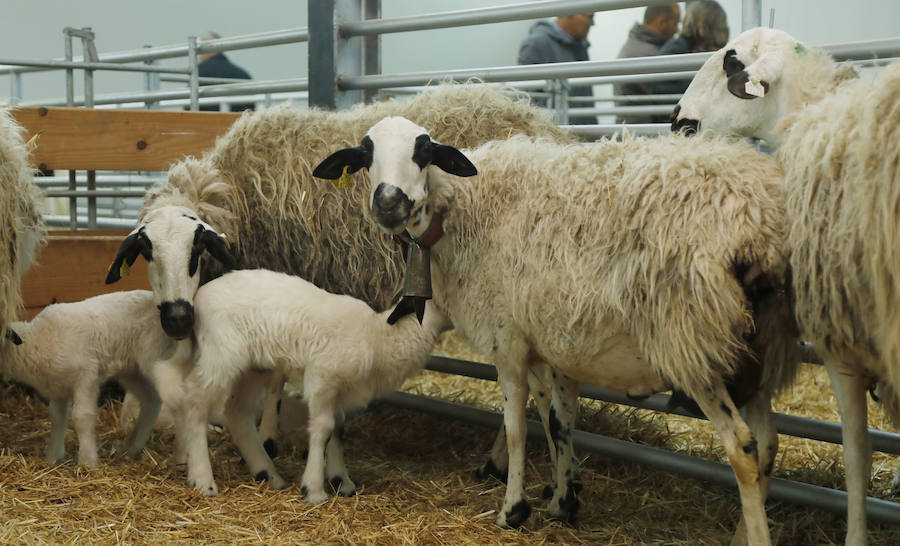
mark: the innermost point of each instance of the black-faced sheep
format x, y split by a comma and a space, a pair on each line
641, 266
256, 186
840, 149
341, 351
69, 349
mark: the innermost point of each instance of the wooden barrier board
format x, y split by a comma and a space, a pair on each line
73, 267
126, 140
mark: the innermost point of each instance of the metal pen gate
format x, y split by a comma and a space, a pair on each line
344, 69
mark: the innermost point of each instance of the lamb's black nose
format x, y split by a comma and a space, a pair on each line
390, 206
177, 318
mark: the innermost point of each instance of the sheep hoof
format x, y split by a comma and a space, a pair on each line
565, 508
207, 489
515, 516
490, 470
343, 486
87, 460
547, 493
313, 497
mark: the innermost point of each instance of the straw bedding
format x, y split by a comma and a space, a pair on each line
416, 481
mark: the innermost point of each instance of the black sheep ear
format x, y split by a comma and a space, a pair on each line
737, 86
212, 242
451, 160
12, 336
332, 167
127, 254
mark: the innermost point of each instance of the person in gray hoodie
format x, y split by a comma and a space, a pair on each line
557, 41
646, 40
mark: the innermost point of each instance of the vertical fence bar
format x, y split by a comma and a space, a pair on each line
70, 101
195, 75
371, 47
151, 83
349, 55
751, 14
15, 88
321, 54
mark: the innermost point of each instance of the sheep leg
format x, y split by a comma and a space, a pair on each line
268, 425
335, 468
564, 504
741, 448
55, 451
850, 390
321, 426
150, 404
84, 417
240, 412
513, 380
196, 409
498, 461
759, 419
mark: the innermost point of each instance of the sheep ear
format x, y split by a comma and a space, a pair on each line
128, 253
740, 86
451, 160
12, 336
332, 167
753, 81
210, 241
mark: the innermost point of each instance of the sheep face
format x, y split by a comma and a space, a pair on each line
397, 153
171, 239
735, 91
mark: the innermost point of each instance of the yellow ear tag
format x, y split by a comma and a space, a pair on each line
345, 181
124, 270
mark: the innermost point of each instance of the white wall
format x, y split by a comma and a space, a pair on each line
32, 29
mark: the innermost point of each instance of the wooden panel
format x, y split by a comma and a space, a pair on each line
128, 140
73, 267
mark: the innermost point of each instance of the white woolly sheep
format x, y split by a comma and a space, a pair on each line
256, 186
69, 349
22, 230
640, 266
839, 146
341, 351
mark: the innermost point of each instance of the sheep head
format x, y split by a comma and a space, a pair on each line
740, 89
397, 153
171, 239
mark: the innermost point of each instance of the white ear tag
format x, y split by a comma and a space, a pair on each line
755, 88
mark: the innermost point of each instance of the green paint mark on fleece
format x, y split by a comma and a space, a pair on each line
799, 49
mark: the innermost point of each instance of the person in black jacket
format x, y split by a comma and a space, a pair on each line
217, 65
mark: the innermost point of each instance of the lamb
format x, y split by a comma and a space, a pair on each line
256, 186
22, 229
341, 351
69, 349
839, 146
641, 266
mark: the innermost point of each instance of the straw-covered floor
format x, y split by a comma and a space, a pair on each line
415, 479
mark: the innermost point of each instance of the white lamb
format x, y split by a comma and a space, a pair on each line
640, 266
840, 148
340, 351
69, 349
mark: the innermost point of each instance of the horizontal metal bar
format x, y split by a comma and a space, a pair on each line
647, 110
232, 89
247, 41
483, 16
869, 49
95, 193
54, 64
814, 429
106, 223
700, 469
609, 130
547, 71
668, 98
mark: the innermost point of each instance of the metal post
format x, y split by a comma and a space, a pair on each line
89, 53
331, 55
70, 101
559, 101
371, 47
195, 75
15, 88
151, 83
751, 14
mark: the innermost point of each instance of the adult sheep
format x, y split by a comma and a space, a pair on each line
840, 148
640, 266
256, 186
22, 231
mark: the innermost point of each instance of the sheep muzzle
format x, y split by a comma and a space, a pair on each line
177, 318
391, 207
